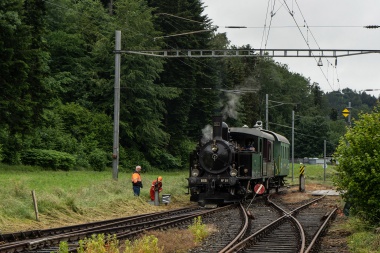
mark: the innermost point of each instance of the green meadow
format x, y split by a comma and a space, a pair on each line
70, 197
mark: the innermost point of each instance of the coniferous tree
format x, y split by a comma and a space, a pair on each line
194, 77
24, 90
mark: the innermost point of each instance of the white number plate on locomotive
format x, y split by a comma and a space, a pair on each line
203, 180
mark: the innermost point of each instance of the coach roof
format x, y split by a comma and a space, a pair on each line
250, 131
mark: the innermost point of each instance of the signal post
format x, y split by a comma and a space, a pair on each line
302, 178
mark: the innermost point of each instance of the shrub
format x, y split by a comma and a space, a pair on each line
98, 160
1, 152
146, 244
198, 229
358, 154
48, 159
63, 247
99, 244
165, 161
132, 157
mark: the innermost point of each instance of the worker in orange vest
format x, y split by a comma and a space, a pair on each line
136, 181
156, 186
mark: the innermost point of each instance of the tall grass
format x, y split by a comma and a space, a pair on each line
69, 197
77, 196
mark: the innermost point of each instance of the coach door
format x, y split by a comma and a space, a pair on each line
270, 168
267, 158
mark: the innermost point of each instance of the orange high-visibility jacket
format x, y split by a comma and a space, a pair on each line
136, 178
153, 188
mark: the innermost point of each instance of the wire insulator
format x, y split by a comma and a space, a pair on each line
372, 26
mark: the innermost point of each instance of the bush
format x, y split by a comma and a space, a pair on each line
99, 244
358, 155
146, 244
1, 152
165, 161
98, 160
198, 229
132, 157
48, 159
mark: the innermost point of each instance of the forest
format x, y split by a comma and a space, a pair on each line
57, 86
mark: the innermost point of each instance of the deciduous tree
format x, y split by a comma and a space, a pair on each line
359, 166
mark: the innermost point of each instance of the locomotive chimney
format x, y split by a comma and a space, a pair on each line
217, 127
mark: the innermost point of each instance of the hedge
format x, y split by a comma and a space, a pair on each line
48, 159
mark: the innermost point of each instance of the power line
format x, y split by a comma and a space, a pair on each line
175, 16
293, 26
265, 25
298, 133
181, 34
306, 41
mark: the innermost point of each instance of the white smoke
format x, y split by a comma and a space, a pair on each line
206, 134
230, 109
249, 85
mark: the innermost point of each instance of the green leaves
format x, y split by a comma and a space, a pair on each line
359, 165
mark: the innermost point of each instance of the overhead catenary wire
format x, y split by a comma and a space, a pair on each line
265, 24
316, 41
306, 41
298, 133
176, 26
291, 12
181, 34
270, 24
293, 26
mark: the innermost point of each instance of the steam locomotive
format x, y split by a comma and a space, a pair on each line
236, 163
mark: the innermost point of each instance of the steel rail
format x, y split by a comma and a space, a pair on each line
320, 231
123, 232
242, 231
33, 234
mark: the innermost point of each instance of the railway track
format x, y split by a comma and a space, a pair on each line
272, 226
48, 240
276, 227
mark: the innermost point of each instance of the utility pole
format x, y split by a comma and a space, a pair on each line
349, 115
324, 160
116, 115
266, 111
292, 145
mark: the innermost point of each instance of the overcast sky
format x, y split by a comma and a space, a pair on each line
333, 24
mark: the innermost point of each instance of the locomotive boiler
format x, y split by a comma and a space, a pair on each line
226, 168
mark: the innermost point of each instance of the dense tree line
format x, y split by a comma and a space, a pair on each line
57, 85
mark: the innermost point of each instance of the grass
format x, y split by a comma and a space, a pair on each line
66, 198
363, 237
314, 174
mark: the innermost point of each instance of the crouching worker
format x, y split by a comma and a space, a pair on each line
156, 186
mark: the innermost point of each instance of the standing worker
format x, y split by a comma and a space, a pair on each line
156, 186
136, 181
